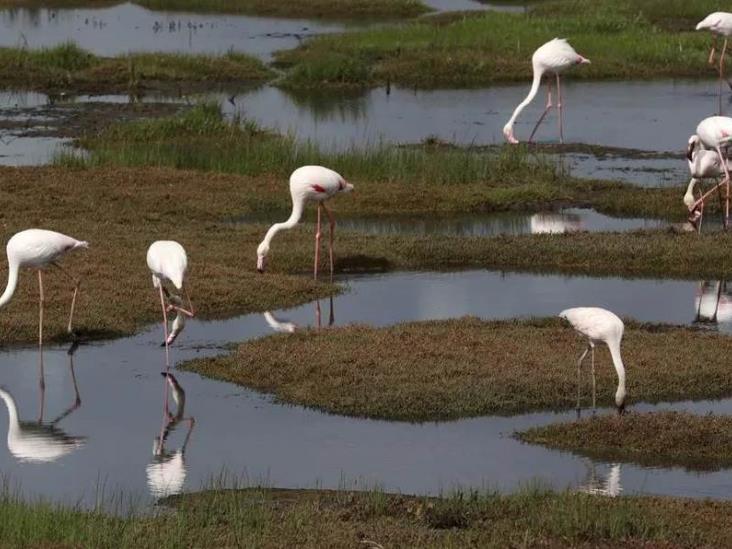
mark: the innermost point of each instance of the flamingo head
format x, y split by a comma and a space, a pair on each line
583, 61
508, 134
262, 252
345, 186
693, 143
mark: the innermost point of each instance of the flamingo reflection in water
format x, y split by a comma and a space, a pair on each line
283, 325
609, 486
713, 303
41, 441
555, 223
167, 472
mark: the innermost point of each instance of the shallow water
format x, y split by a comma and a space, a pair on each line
245, 434
491, 224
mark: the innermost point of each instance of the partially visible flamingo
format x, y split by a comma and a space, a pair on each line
599, 326
307, 183
713, 134
167, 260
703, 164
718, 23
553, 57
39, 248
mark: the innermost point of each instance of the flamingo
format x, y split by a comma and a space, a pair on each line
307, 183
718, 23
703, 164
39, 248
712, 134
167, 260
599, 325
553, 57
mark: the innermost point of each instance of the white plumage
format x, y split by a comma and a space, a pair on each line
167, 260
719, 22
599, 326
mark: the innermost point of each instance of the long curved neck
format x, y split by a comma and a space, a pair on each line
529, 98
619, 368
12, 283
297, 207
13, 421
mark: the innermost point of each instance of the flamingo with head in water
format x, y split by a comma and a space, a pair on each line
307, 184
167, 260
599, 326
38, 249
554, 57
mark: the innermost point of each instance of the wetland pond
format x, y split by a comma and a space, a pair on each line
105, 445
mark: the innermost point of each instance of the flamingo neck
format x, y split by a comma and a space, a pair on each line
614, 347
12, 282
13, 421
538, 73
298, 204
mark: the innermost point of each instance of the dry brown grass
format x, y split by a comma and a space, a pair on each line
449, 369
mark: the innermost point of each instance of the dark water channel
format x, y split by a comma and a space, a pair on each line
247, 436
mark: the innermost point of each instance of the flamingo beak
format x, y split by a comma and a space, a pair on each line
261, 263
508, 134
621, 409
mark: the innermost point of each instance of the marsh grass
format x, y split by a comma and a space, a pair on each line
443, 370
259, 517
623, 38
653, 439
314, 9
68, 67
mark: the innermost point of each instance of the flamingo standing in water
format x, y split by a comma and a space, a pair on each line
718, 23
712, 134
599, 325
553, 57
703, 164
39, 248
167, 260
307, 183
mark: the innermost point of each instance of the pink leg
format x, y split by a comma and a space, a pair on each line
317, 245
714, 47
726, 186
331, 219
76, 282
190, 313
559, 107
165, 330
546, 110
40, 310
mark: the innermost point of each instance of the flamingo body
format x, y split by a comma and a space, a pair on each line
307, 184
719, 22
554, 57
715, 131
601, 326
167, 260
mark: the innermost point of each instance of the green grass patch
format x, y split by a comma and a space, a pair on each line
389, 180
664, 439
625, 39
442, 370
68, 67
313, 9
320, 518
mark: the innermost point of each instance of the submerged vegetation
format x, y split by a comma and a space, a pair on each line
442, 370
68, 67
623, 38
664, 439
260, 517
315, 9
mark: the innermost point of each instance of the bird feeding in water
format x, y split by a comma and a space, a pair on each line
39, 249
599, 326
718, 23
703, 164
554, 57
167, 260
307, 184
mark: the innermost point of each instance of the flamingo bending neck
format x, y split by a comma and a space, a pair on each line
13, 268
614, 347
508, 128
298, 204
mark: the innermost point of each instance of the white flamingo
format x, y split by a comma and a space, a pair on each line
599, 325
703, 164
37, 249
554, 57
167, 260
307, 183
718, 23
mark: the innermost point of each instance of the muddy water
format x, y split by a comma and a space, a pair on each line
567, 220
106, 443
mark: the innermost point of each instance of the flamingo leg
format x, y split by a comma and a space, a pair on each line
559, 108
546, 109
721, 73
594, 384
77, 283
579, 378
725, 182
165, 332
331, 221
712, 51
317, 245
41, 300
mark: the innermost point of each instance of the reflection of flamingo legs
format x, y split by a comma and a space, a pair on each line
77, 397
